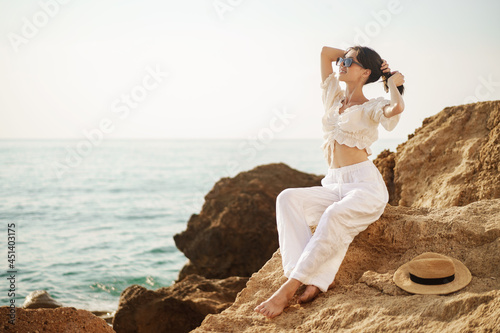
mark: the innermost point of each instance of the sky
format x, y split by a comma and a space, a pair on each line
228, 68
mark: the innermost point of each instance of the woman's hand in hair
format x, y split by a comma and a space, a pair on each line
385, 67
397, 78
395, 84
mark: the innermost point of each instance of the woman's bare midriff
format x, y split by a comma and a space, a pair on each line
345, 155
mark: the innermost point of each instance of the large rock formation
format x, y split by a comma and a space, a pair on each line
452, 160
364, 297
235, 232
62, 319
176, 309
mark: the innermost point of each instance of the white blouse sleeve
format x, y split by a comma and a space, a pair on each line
377, 114
331, 90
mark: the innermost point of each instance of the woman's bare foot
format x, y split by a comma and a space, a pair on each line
279, 300
309, 294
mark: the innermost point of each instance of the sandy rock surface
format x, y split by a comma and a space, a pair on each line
59, 320
452, 160
235, 232
364, 297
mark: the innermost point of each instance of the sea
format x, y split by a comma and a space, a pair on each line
84, 220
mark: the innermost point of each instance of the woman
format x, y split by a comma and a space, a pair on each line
353, 193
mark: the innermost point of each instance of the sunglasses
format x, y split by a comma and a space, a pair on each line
347, 62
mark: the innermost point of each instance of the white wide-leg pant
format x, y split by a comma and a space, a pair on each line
349, 200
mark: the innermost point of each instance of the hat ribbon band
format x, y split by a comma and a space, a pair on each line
432, 282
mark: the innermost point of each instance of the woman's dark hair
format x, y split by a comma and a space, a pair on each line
372, 61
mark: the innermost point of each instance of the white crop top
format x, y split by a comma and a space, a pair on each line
357, 126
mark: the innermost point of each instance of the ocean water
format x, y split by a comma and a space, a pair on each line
91, 220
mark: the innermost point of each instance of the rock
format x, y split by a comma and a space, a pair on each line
40, 299
385, 163
179, 308
62, 319
452, 160
235, 232
365, 299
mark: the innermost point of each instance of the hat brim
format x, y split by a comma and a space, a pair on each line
462, 278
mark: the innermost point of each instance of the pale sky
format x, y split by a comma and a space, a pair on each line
228, 68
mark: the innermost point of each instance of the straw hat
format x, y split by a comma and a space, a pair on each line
432, 273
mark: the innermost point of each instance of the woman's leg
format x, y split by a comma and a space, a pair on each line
340, 223
296, 210
363, 201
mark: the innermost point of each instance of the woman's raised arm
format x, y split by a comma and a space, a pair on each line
328, 55
393, 82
